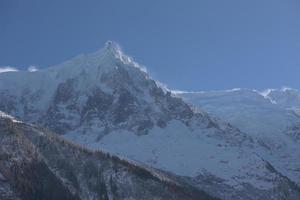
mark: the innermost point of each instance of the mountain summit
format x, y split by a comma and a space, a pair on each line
113, 47
105, 100
105, 89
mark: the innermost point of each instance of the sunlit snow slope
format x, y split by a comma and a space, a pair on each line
271, 117
105, 100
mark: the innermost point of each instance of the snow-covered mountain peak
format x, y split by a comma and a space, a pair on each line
106, 100
105, 89
109, 59
112, 46
113, 52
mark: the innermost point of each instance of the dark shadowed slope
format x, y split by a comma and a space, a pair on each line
36, 164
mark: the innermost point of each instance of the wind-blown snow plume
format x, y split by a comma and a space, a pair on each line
117, 49
8, 69
32, 68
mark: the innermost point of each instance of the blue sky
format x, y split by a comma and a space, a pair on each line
188, 45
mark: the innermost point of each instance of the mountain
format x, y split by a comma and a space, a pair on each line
104, 90
105, 100
37, 164
270, 117
287, 98
250, 110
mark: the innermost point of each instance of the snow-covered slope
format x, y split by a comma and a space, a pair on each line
36, 164
249, 110
270, 117
104, 100
103, 90
286, 98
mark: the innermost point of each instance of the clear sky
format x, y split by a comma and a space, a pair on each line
186, 44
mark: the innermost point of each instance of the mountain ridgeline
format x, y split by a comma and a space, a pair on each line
104, 89
229, 145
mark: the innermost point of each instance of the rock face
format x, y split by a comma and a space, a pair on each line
35, 164
105, 100
104, 89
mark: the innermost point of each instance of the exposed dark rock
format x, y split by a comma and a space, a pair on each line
40, 165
